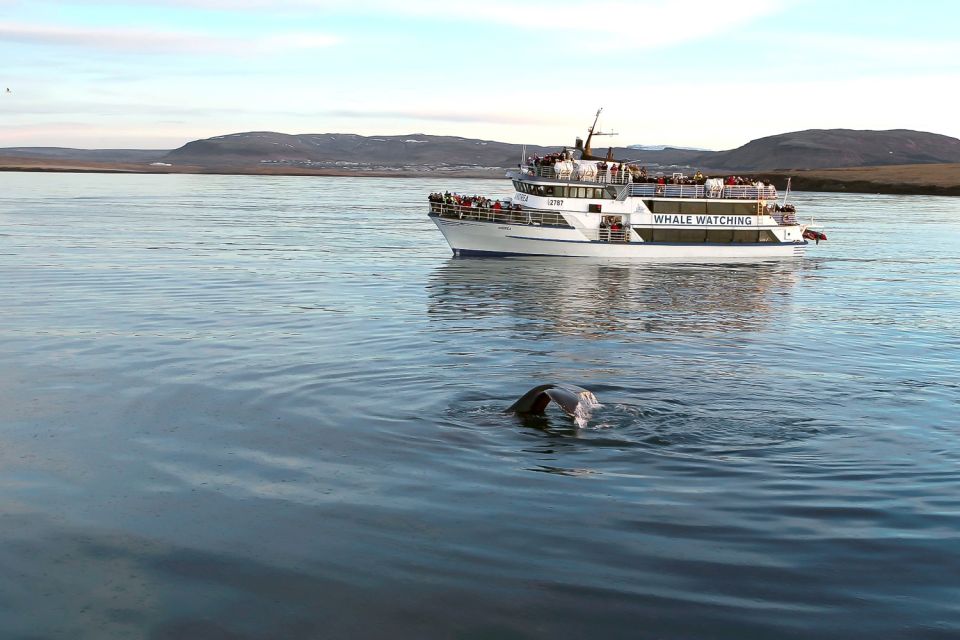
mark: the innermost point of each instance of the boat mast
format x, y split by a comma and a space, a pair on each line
587, 151
586, 147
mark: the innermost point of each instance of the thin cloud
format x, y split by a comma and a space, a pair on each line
621, 24
25, 108
111, 135
636, 25
442, 116
885, 50
136, 40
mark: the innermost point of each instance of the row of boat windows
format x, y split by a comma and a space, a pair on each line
563, 191
705, 208
719, 236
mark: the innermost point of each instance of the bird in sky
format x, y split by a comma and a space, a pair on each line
8, 90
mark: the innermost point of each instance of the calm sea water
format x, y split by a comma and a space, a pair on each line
256, 407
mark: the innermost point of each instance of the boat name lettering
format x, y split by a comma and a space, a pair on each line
505, 228
554, 203
522, 197
706, 220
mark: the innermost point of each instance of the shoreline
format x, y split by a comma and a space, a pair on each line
912, 179
934, 179
291, 171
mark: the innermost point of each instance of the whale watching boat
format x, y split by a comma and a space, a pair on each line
575, 204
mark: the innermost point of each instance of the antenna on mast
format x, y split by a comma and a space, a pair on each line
592, 131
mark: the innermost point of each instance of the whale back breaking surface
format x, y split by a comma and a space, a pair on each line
571, 398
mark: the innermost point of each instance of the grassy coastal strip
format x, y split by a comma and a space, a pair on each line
916, 179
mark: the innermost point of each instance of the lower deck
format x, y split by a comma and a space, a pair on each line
476, 237
617, 230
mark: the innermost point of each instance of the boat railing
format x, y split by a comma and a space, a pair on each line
730, 192
534, 217
607, 235
784, 218
652, 189
574, 175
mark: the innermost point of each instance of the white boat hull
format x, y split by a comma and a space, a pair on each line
468, 237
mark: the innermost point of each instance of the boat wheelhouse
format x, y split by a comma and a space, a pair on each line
574, 204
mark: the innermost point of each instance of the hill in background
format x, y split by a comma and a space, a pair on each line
345, 150
84, 155
812, 149
828, 148
419, 154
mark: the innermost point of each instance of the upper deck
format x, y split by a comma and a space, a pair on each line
647, 187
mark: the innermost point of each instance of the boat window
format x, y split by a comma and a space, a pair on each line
716, 236
541, 191
693, 207
666, 235
664, 206
731, 208
720, 235
547, 190
692, 235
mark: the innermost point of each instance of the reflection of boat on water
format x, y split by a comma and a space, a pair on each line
575, 204
597, 298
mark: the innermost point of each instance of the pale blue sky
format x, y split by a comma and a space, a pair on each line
156, 74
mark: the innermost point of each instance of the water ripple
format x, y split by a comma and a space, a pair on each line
223, 395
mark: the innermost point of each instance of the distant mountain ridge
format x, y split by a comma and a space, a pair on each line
417, 149
829, 148
350, 149
661, 147
105, 155
810, 149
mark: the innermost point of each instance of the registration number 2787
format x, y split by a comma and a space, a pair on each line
554, 203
